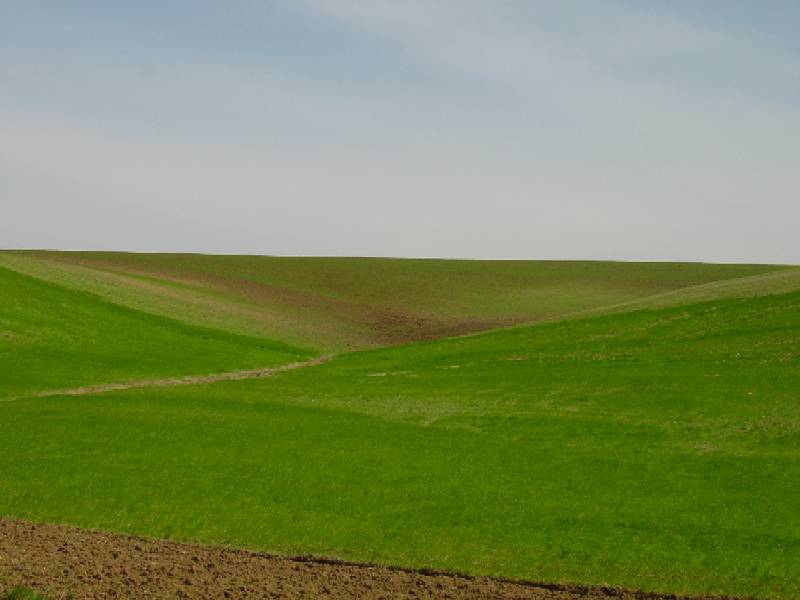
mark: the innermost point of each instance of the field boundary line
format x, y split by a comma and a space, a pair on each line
104, 388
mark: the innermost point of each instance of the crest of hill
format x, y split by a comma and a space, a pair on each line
338, 304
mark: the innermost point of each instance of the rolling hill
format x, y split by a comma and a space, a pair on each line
338, 304
53, 337
644, 433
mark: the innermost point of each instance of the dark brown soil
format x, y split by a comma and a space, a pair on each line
63, 562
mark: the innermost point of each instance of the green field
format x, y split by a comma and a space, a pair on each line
645, 434
52, 338
339, 304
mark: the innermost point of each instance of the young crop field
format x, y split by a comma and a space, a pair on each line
336, 304
630, 425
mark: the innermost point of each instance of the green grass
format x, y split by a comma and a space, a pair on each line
337, 304
780, 281
52, 338
656, 449
20, 593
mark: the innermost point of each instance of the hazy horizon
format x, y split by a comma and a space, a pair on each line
386, 256
620, 130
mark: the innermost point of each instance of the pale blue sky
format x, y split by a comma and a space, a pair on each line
573, 129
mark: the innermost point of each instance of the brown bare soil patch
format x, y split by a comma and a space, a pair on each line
59, 561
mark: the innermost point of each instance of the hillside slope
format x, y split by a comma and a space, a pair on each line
52, 337
656, 449
781, 281
336, 304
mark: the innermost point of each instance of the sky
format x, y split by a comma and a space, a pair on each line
577, 129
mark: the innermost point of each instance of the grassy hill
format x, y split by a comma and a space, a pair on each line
656, 448
52, 337
780, 281
336, 304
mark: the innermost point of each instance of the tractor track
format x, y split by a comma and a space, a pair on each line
104, 388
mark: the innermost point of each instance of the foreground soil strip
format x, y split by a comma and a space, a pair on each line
173, 381
63, 561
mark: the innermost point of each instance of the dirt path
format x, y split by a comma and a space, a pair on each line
61, 561
173, 381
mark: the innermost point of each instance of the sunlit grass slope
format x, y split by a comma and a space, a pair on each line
52, 337
780, 281
337, 304
657, 449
